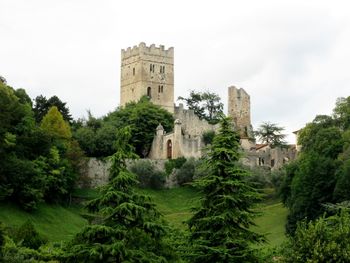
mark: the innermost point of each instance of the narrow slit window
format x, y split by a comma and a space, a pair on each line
133, 71
153, 68
150, 68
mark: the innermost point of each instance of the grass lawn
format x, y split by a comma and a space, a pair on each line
58, 223
272, 222
175, 204
52, 221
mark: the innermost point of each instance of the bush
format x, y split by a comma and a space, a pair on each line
322, 240
172, 164
260, 177
27, 236
186, 172
148, 175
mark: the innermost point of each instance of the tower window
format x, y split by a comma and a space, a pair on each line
133, 71
162, 69
161, 89
153, 68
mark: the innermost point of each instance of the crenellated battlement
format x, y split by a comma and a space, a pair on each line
143, 49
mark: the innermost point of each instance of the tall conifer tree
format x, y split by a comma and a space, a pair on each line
220, 227
128, 227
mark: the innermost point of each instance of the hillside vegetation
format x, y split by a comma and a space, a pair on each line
60, 223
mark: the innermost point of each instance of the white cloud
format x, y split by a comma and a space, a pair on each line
292, 57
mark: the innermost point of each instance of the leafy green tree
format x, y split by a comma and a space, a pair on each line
271, 133
326, 239
128, 227
206, 105
23, 97
25, 182
313, 178
220, 228
42, 106
57, 128
143, 117
341, 191
341, 112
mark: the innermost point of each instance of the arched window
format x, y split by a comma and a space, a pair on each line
149, 92
169, 147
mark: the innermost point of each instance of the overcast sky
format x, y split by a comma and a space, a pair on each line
292, 57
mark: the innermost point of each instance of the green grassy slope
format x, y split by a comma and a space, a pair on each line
60, 224
272, 222
175, 204
52, 221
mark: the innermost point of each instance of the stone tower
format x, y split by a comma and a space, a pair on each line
239, 110
148, 71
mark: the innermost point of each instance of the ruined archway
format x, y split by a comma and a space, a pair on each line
169, 147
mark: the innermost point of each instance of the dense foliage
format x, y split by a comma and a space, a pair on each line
128, 227
43, 105
326, 239
36, 160
148, 175
97, 136
206, 105
220, 228
321, 172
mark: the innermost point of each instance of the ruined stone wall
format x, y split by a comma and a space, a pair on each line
191, 124
96, 172
148, 71
239, 110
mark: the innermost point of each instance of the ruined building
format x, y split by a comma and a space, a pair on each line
239, 111
150, 71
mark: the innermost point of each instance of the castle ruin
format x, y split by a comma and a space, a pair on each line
150, 71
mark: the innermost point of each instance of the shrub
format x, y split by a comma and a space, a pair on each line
148, 175
186, 172
260, 177
322, 240
27, 236
172, 164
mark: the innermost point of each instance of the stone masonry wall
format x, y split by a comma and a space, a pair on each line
239, 110
148, 71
